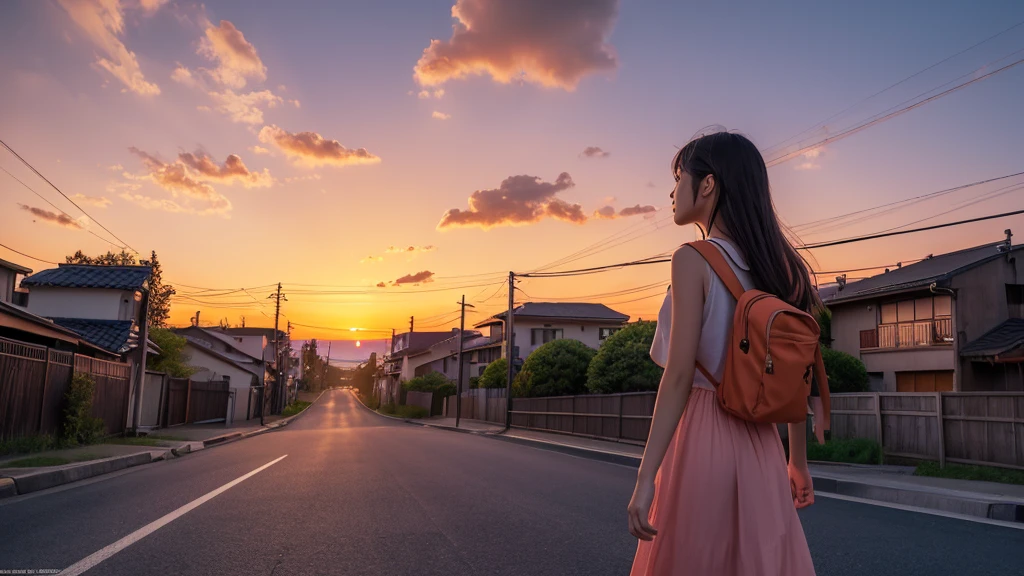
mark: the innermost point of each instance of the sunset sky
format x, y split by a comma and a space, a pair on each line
381, 159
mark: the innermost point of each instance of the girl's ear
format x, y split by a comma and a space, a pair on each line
707, 186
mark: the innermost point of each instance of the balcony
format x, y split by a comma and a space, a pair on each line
919, 334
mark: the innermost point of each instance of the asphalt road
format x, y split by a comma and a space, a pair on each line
361, 494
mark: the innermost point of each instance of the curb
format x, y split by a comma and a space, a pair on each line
34, 482
968, 504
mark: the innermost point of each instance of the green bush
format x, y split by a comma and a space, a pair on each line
823, 316
426, 383
28, 444
388, 408
623, 364
495, 375
557, 368
846, 373
445, 390
412, 412
79, 426
171, 359
851, 451
294, 408
474, 382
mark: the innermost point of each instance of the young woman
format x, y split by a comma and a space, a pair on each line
713, 495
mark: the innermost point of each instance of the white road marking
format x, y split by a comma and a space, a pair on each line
1014, 525
97, 557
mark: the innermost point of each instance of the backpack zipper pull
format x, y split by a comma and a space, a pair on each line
769, 366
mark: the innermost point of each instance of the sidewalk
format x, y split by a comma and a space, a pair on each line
889, 484
97, 459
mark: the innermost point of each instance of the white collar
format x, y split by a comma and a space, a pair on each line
732, 252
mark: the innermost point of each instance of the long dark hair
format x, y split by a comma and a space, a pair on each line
745, 207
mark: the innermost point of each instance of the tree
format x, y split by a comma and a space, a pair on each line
159, 293
824, 318
495, 375
623, 364
557, 368
846, 373
171, 360
312, 366
429, 382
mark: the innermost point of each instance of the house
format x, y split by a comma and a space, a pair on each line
443, 357
219, 365
9, 273
537, 323
397, 365
103, 304
950, 322
260, 343
216, 356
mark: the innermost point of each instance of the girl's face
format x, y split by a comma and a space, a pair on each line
684, 208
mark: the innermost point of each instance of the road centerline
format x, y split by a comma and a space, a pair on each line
99, 556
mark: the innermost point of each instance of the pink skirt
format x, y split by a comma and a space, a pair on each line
722, 503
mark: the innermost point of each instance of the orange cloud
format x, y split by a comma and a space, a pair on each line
233, 170
102, 21
518, 200
259, 150
183, 75
62, 220
237, 59
152, 5
417, 278
637, 211
524, 39
154, 203
311, 149
441, 115
606, 213
595, 152
410, 249
372, 259
175, 178
811, 157
99, 202
381, 285
245, 108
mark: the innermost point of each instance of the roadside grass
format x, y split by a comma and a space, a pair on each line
41, 461
849, 451
294, 408
29, 444
411, 412
981, 473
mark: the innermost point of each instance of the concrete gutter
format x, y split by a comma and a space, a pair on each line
33, 480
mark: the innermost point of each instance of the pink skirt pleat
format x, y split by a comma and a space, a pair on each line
722, 503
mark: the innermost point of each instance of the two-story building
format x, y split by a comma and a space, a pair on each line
537, 323
398, 365
950, 322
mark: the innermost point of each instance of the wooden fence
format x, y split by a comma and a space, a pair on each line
984, 428
486, 404
34, 379
187, 401
624, 417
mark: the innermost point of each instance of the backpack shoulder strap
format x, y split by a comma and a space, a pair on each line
821, 379
722, 269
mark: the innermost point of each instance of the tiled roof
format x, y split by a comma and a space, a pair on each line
920, 274
88, 276
999, 340
111, 335
565, 311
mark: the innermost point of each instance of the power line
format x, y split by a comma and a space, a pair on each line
899, 109
55, 207
911, 231
890, 87
30, 257
356, 330
54, 186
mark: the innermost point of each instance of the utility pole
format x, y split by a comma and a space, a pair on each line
411, 320
509, 337
277, 296
327, 365
458, 385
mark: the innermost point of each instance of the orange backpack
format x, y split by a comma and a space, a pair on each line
773, 351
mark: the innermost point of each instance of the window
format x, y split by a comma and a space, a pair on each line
604, 333
925, 381
1015, 300
544, 335
444, 365
922, 321
889, 313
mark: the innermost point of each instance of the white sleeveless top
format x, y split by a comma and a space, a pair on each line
719, 307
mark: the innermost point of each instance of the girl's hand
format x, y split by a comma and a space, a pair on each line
801, 485
640, 509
